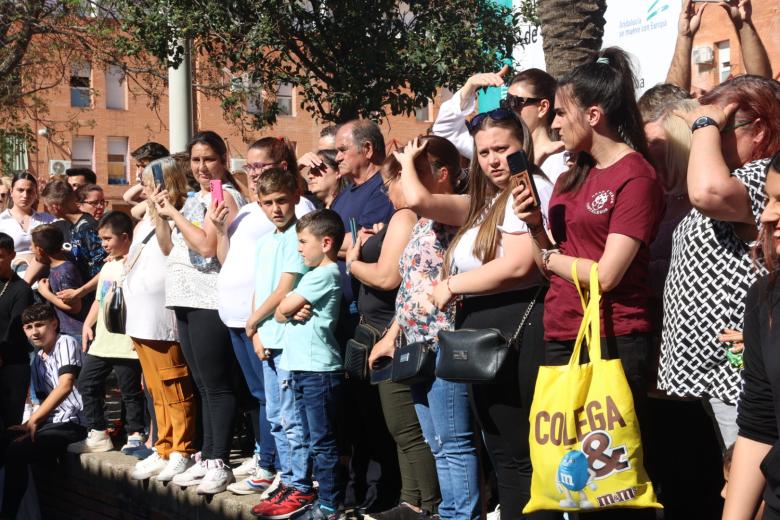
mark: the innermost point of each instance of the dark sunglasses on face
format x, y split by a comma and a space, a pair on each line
518, 102
499, 114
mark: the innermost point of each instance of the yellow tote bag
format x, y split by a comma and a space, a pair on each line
585, 445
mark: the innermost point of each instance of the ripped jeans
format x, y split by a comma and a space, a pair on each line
445, 418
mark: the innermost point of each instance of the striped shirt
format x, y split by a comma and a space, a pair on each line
64, 358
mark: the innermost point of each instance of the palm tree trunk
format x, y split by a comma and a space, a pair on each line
571, 30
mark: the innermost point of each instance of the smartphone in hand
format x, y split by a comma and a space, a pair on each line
519, 176
217, 195
159, 180
353, 228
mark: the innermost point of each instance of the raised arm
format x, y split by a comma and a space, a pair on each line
754, 54
449, 208
680, 69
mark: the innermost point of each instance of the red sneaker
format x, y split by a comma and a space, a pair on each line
290, 503
270, 500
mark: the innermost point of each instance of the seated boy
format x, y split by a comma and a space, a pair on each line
278, 269
110, 351
312, 357
47, 243
58, 421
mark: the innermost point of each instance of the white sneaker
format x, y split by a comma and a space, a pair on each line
248, 467
217, 478
149, 467
97, 441
257, 483
177, 464
495, 514
192, 475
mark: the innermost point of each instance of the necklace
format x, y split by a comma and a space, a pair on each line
5, 287
19, 221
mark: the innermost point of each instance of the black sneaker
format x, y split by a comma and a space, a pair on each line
318, 513
400, 512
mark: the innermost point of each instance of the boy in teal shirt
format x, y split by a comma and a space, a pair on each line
312, 357
278, 268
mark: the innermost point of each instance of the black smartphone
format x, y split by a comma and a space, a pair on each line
158, 176
519, 176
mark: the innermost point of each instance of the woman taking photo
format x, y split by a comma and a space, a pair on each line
191, 291
606, 211
152, 327
19, 220
375, 266
734, 132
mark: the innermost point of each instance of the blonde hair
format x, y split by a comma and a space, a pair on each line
175, 177
677, 147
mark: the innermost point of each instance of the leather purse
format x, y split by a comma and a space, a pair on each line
358, 349
477, 355
414, 363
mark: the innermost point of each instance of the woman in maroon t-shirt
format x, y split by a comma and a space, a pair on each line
606, 210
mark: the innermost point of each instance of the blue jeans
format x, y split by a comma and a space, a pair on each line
317, 396
252, 368
274, 410
445, 418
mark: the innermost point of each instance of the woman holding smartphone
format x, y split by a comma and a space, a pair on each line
605, 210
191, 291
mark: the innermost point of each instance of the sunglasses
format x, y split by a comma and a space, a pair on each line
736, 125
518, 102
499, 114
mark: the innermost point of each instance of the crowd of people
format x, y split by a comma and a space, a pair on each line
244, 294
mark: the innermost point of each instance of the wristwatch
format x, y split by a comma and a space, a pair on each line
703, 121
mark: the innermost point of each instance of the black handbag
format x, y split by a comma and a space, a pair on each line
114, 309
477, 355
414, 363
358, 349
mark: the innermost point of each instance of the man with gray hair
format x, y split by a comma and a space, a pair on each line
375, 478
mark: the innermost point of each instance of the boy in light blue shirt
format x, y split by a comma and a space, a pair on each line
312, 357
279, 267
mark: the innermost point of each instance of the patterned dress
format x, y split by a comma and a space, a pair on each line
420, 266
710, 273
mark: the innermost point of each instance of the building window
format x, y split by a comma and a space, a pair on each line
117, 160
80, 85
423, 113
115, 88
13, 153
82, 151
724, 60
284, 99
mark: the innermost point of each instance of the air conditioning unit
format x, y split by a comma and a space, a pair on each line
703, 55
58, 166
237, 164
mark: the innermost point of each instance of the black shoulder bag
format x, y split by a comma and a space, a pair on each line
359, 348
477, 355
114, 309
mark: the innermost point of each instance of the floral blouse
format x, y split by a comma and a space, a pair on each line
420, 266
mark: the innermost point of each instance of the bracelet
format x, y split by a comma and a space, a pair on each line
546, 254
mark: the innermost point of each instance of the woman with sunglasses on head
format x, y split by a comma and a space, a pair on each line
191, 291
734, 132
606, 211
323, 179
490, 267
530, 95
236, 243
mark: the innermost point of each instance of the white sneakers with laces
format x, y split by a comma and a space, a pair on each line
97, 441
255, 484
149, 467
216, 479
193, 475
248, 467
177, 464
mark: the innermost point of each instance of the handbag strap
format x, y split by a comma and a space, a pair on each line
132, 261
526, 315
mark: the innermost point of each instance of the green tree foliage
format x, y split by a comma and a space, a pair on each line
348, 58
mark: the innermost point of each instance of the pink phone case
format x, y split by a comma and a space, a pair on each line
216, 192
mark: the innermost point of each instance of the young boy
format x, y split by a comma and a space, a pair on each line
312, 358
110, 351
15, 296
58, 421
278, 269
63, 274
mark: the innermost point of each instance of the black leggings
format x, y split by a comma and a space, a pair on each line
50, 440
502, 408
205, 343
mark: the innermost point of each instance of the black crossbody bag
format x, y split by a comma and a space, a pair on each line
359, 348
477, 355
